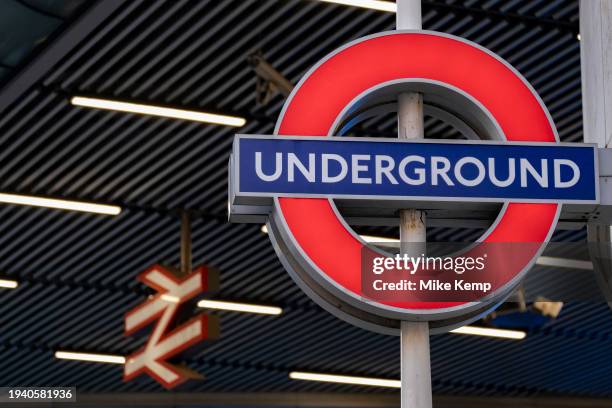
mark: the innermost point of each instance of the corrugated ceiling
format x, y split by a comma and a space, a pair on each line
79, 270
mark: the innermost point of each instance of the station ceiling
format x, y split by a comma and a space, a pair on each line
77, 272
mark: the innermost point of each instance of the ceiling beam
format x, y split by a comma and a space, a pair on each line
57, 49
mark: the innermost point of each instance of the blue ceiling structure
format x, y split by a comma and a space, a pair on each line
78, 271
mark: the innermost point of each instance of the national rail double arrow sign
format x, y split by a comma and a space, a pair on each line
167, 340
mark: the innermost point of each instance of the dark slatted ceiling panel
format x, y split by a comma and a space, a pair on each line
78, 271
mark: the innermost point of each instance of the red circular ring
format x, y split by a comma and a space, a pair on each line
334, 83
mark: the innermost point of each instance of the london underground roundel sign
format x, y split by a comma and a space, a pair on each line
298, 173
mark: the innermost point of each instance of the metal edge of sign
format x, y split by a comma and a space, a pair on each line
419, 141
327, 301
231, 195
280, 227
357, 316
427, 86
404, 198
236, 171
596, 172
438, 318
429, 109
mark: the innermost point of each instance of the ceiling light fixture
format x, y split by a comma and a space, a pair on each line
95, 358
345, 379
369, 4
370, 239
170, 298
8, 284
59, 204
366, 238
152, 110
239, 307
557, 262
490, 332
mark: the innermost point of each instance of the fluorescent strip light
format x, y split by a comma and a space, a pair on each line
240, 307
152, 110
59, 204
345, 379
170, 298
8, 284
564, 263
369, 4
379, 240
366, 238
489, 332
96, 358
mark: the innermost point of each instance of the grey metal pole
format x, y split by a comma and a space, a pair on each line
185, 243
596, 62
409, 15
415, 360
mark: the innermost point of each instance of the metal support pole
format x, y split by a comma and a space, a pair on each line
415, 361
409, 16
596, 63
185, 243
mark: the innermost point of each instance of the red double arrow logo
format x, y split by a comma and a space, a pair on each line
164, 343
